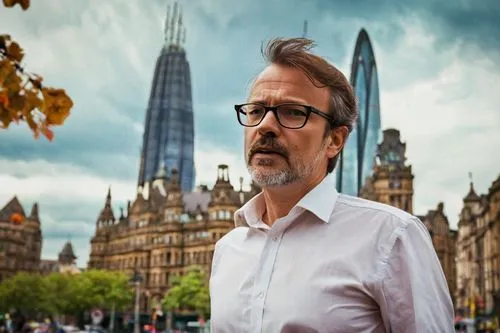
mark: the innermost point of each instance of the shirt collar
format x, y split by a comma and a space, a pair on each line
250, 214
320, 201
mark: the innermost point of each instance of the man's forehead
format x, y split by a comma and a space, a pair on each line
280, 81
275, 73
274, 76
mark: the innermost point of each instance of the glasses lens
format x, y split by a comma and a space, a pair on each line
251, 114
292, 116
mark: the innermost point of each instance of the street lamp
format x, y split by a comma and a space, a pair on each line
136, 280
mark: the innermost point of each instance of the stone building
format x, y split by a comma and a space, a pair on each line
478, 252
392, 180
392, 183
165, 230
20, 239
65, 263
444, 241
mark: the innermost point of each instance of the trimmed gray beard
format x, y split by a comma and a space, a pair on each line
288, 175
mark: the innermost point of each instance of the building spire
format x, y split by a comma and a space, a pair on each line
179, 30
108, 196
175, 32
304, 35
172, 23
167, 24
472, 195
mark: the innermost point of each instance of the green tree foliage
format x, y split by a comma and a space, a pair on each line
189, 293
66, 294
60, 293
105, 289
25, 292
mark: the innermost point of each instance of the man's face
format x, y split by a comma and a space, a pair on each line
278, 156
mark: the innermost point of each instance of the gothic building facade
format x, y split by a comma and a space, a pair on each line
165, 230
20, 239
478, 252
392, 180
392, 183
444, 240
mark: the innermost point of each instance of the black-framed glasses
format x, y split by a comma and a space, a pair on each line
289, 115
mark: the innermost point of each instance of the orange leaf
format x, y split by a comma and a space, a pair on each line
15, 52
9, 79
4, 99
9, 3
24, 4
3, 41
31, 123
32, 99
36, 81
5, 117
56, 105
6, 70
48, 133
18, 102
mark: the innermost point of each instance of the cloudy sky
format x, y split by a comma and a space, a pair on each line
438, 70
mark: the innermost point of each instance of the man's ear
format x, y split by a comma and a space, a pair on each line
336, 140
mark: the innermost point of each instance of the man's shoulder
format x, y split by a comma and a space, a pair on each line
378, 211
235, 235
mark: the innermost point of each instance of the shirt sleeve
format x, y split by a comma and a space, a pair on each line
413, 294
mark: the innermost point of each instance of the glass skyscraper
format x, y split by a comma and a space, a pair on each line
168, 141
358, 156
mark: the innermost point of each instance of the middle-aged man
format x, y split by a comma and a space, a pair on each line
302, 257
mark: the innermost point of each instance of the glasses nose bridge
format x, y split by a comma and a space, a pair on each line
273, 110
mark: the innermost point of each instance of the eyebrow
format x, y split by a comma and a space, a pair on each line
288, 101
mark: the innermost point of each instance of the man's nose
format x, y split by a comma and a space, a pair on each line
269, 125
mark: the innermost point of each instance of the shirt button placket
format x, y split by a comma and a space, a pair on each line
263, 279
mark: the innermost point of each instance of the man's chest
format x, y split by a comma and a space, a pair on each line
269, 285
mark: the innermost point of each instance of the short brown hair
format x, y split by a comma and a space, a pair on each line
295, 52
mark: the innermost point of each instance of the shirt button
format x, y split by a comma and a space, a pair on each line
261, 294
275, 238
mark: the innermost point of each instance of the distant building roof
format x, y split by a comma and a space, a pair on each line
13, 206
472, 195
67, 255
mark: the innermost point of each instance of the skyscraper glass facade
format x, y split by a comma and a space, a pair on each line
358, 156
168, 140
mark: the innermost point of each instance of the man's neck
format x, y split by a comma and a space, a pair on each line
280, 200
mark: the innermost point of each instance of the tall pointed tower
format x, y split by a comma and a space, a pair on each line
392, 179
169, 127
358, 156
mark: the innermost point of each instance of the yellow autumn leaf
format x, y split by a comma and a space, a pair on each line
22, 96
6, 70
56, 105
17, 102
9, 3
5, 118
15, 52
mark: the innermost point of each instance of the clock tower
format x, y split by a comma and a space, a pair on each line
392, 180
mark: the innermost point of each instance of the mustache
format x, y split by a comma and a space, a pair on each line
269, 144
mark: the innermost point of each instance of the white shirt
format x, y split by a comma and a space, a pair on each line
335, 263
